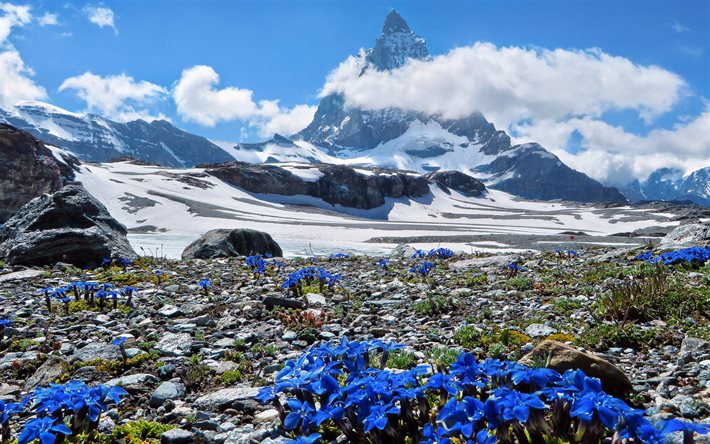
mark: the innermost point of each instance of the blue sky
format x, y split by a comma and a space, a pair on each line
283, 50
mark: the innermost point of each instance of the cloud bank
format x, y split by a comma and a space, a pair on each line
199, 99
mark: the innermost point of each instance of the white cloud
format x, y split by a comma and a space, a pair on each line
101, 16
612, 155
287, 121
677, 27
12, 16
115, 96
48, 19
16, 84
511, 84
199, 99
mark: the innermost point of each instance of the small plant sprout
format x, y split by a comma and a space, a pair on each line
120, 342
384, 264
101, 295
90, 290
4, 323
159, 276
205, 284
257, 265
129, 292
47, 292
114, 294
65, 300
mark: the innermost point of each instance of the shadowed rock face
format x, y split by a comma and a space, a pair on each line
27, 170
458, 181
338, 185
229, 243
68, 226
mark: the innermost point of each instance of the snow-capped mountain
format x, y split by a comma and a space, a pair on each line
425, 143
98, 139
671, 184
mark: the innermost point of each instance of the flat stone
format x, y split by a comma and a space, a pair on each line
267, 415
48, 372
275, 301
169, 311
483, 262
227, 397
176, 436
136, 381
175, 344
96, 350
539, 330
315, 299
167, 390
18, 275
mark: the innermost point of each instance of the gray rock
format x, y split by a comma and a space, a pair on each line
230, 243
68, 226
48, 372
686, 236
315, 299
175, 344
228, 397
167, 390
27, 170
483, 262
457, 181
134, 382
694, 346
275, 301
96, 350
176, 436
169, 311
539, 330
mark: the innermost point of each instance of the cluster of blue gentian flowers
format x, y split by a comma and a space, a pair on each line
59, 411
308, 276
90, 291
435, 253
257, 264
339, 256
423, 269
335, 389
693, 255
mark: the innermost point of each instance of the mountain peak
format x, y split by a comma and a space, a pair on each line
397, 44
394, 23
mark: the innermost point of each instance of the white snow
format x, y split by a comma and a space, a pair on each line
185, 212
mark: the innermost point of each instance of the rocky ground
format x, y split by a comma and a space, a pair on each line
196, 357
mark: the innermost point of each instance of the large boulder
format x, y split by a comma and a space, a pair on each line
27, 170
562, 357
689, 235
67, 226
227, 242
457, 181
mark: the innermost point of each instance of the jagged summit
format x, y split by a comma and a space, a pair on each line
397, 44
394, 23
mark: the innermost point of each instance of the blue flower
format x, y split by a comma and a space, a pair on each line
689, 428
204, 283
423, 269
384, 263
5, 323
339, 256
46, 429
512, 404
119, 341
299, 412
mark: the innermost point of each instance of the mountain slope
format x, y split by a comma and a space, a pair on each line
97, 139
396, 138
671, 184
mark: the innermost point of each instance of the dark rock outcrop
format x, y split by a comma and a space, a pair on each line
67, 226
457, 181
227, 242
338, 184
27, 170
